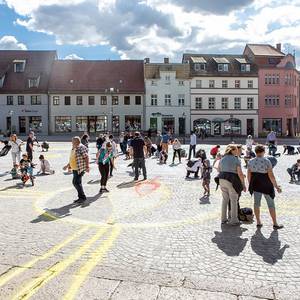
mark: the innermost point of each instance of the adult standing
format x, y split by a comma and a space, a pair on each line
121, 142
232, 183
165, 139
193, 143
271, 142
105, 158
99, 142
29, 145
79, 164
262, 182
176, 150
114, 153
138, 147
15, 144
85, 140
158, 141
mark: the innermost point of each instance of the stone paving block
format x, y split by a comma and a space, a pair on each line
167, 293
250, 298
286, 294
135, 291
234, 287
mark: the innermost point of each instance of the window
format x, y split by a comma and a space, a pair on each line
153, 82
266, 79
103, 100
33, 82
211, 83
126, 100
277, 78
272, 100
79, 100
273, 124
250, 84
20, 100
181, 100
198, 103
67, 100
115, 100
36, 100
63, 124
116, 123
223, 67
154, 100
199, 67
211, 103
168, 100
181, 82
224, 84
35, 123
250, 103
168, 79
245, 67
10, 100
19, 66
224, 103
81, 123
288, 100
237, 84
91, 100
55, 100
198, 84
237, 103
138, 100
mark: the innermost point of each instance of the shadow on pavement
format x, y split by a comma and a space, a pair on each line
94, 181
17, 186
125, 185
64, 211
4, 174
268, 248
229, 240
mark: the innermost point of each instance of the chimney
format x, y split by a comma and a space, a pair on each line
278, 47
166, 60
147, 60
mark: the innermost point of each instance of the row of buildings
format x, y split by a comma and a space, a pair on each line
215, 94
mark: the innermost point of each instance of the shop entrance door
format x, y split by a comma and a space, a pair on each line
22, 124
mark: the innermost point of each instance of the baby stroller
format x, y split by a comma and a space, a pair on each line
45, 146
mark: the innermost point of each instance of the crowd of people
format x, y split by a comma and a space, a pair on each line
133, 146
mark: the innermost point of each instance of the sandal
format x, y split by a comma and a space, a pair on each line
259, 225
277, 227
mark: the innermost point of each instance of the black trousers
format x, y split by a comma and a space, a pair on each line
30, 157
77, 182
192, 148
139, 163
111, 167
179, 154
104, 171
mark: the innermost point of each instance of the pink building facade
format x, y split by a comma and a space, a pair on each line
278, 82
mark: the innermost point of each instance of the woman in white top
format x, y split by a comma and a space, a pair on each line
15, 144
176, 149
249, 142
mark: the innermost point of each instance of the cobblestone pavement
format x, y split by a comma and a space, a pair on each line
155, 239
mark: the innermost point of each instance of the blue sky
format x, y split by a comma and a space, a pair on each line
114, 29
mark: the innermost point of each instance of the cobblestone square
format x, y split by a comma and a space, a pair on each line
153, 239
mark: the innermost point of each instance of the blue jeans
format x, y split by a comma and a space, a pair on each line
77, 182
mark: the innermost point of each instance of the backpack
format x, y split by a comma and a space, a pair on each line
246, 214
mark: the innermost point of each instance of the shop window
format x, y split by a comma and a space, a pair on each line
132, 123
63, 124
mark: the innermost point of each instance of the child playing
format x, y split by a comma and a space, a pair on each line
26, 169
14, 172
206, 170
163, 157
45, 166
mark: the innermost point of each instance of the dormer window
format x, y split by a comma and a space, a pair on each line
33, 82
2, 81
245, 67
19, 66
199, 67
223, 67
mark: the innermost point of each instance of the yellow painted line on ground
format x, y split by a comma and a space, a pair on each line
95, 259
33, 286
15, 272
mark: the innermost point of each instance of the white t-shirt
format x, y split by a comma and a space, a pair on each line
193, 139
15, 145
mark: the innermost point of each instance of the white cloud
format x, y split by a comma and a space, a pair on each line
73, 56
158, 28
9, 42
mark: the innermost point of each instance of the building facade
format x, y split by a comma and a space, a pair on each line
224, 95
167, 97
278, 89
24, 77
96, 96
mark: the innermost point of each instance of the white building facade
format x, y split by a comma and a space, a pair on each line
224, 95
167, 97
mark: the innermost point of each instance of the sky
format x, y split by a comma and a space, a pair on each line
128, 29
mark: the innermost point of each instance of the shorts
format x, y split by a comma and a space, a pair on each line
257, 200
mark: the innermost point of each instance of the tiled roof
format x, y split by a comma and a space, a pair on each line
264, 50
234, 65
38, 63
87, 76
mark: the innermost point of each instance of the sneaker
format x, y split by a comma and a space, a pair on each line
145, 178
105, 190
277, 227
136, 179
79, 200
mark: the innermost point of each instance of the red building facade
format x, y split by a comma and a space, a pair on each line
278, 82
